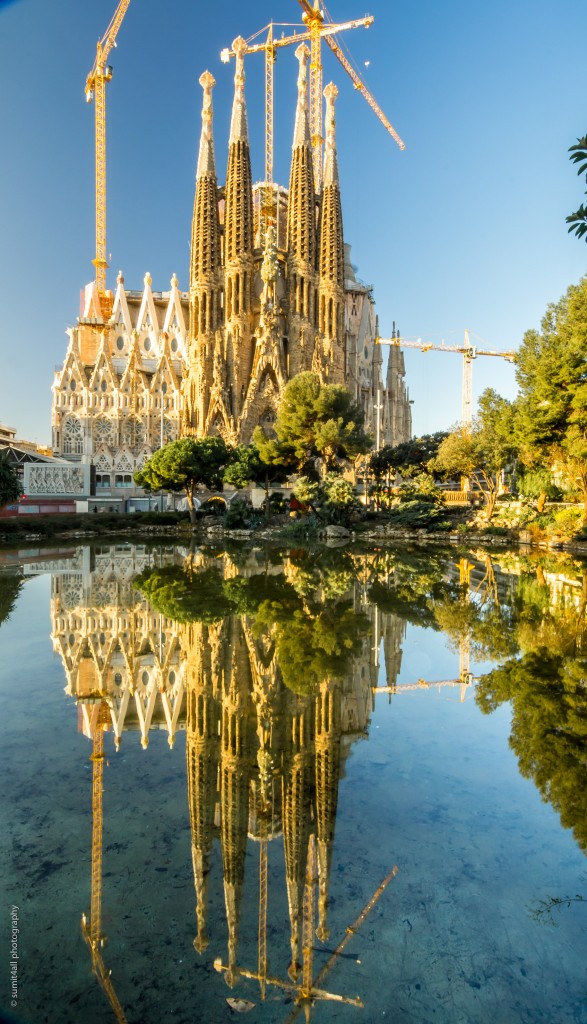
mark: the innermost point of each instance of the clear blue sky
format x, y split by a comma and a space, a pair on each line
464, 229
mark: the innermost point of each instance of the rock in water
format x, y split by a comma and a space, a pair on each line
240, 1005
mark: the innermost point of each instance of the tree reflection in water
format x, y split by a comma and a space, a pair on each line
272, 658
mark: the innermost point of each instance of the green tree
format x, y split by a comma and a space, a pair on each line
10, 588
577, 221
309, 617
483, 452
185, 465
10, 489
410, 458
314, 422
246, 466
551, 411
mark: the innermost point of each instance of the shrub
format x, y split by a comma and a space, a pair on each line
306, 491
417, 514
566, 522
240, 516
420, 488
534, 482
278, 503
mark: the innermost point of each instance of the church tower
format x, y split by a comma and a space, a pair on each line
205, 295
330, 361
238, 255
301, 232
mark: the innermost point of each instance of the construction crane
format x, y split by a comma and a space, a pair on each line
96, 90
269, 48
316, 29
314, 18
309, 990
469, 353
92, 930
465, 679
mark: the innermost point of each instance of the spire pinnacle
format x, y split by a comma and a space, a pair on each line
206, 165
302, 127
330, 159
238, 124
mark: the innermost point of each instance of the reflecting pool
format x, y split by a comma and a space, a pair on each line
300, 785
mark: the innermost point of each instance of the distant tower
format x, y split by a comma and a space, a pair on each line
397, 408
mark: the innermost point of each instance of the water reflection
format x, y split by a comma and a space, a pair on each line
271, 663
270, 668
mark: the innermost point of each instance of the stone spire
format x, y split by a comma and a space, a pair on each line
327, 767
301, 218
205, 315
202, 756
331, 253
331, 262
330, 157
206, 164
238, 248
205, 249
238, 222
238, 123
302, 125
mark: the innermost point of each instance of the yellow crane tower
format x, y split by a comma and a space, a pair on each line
313, 16
92, 930
315, 28
96, 90
469, 353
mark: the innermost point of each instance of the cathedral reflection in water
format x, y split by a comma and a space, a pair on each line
262, 761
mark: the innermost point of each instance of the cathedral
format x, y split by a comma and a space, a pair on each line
272, 293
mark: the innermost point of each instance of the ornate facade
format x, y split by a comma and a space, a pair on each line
269, 296
117, 397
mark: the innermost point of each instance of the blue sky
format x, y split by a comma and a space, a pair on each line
463, 229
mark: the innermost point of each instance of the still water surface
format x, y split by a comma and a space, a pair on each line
280, 730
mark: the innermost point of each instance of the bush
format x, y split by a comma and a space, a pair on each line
567, 522
422, 487
417, 514
240, 516
278, 503
534, 482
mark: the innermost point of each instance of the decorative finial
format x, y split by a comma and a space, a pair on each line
330, 161
174, 281
206, 155
238, 127
148, 280
302, 127
120, 278
303, 54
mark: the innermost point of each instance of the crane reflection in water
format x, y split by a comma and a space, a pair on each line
271, 663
